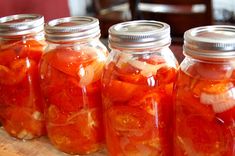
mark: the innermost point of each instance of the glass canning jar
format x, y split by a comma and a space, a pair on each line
21, 47
137, 89
204, 94
71, 70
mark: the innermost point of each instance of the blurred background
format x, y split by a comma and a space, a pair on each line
181, 15
113, 11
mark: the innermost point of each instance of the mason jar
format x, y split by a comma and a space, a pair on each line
21, 46
71, 70
137, 89
204, 94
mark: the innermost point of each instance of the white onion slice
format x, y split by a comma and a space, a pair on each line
123, 59
90, 73
220, 102
37, 115
146, 69
25, 135
86, 75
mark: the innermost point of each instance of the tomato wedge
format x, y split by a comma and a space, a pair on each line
68, 60
122, 91
32, 49
130, 121
16, 71
212, 71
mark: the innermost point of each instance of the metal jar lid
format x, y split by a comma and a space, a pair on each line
210, 42
21, 24
72, 29
139, 34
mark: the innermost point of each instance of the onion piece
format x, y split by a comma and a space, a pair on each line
123, 59
146, 69
37, 115
90, 73
24, 134
220, 102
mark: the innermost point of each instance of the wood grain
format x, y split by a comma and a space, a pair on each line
39, 147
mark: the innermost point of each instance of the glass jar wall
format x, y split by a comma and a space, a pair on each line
21, 47
137, 89
204, 94
71, 70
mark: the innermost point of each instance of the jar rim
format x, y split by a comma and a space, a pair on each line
72, 28
139, 34
21, 24
214, 41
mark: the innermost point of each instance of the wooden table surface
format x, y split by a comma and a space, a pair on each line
38, 147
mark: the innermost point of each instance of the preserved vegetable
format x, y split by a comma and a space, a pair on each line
137, 89
204, 96
71, 86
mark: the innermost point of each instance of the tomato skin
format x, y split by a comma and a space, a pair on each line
71, 88
127, 119
21, 108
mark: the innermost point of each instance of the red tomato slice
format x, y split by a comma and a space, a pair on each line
65, 91
67, 60
130, 121
166, 75
212, 71
121, 91
158, 104
67, 97
187, 104
133, 78
15, 72
196, 136
32, 49
7, 56
148, 102
22, 90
